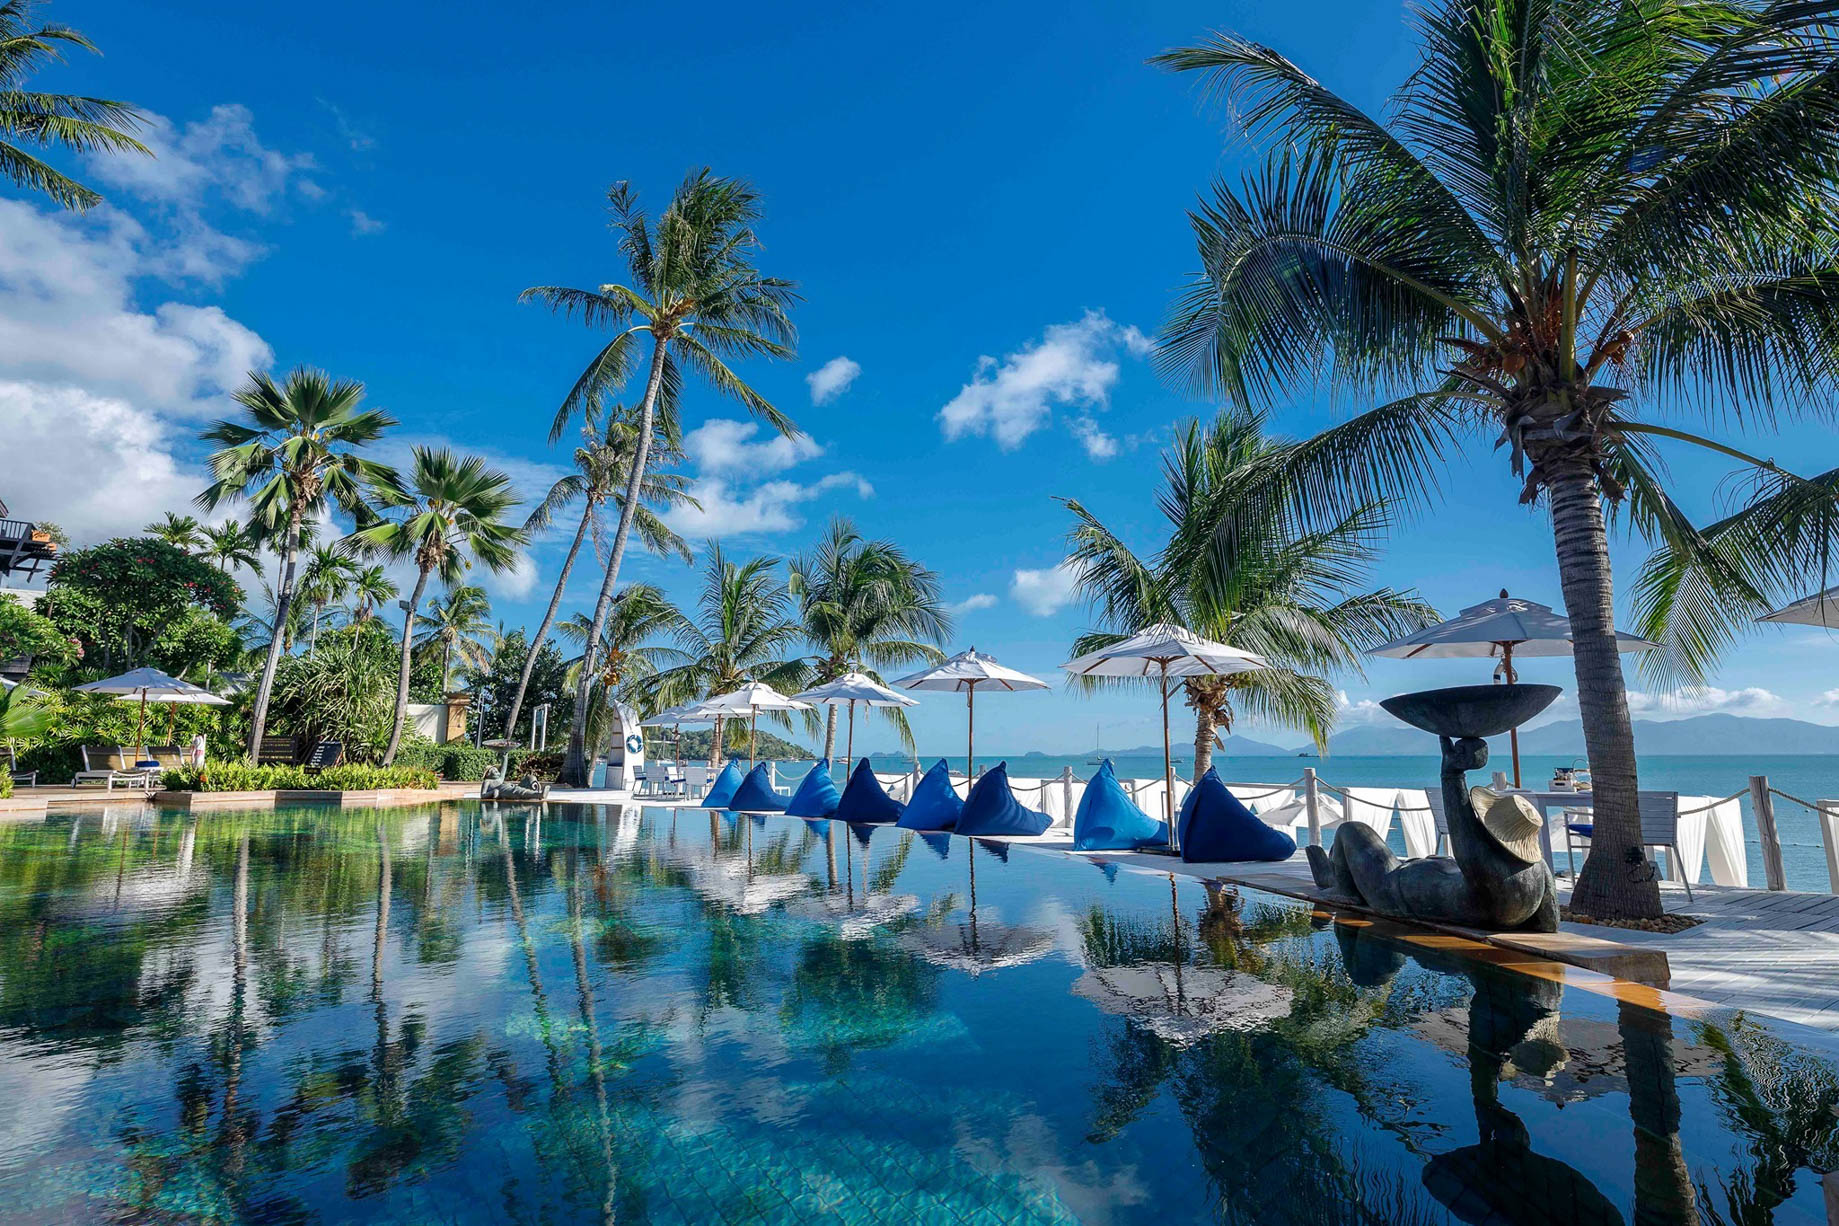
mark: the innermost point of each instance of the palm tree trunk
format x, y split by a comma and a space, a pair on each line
542, 631
284, 598
716, 741
1663, 1184
1616, 882
1203, 740
402, 674
574, 765
830, 733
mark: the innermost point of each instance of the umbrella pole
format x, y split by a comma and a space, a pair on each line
141, 725
1513, 734
1168, 759
753, 733
850, 753
970, 733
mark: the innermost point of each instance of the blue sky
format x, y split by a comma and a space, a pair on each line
984, 209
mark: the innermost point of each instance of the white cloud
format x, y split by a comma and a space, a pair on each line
219, 154
359, 140
363, 223
832, 379
1071, 365
99, 466
1098, 444
513, 584
1704, 700
726, 511
68, 315
1357, 712
725, 445
1045, 592
970, 604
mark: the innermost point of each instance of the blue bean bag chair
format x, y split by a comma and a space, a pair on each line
993, 809
1215, 826
817, 826
756, 795
864, 799
816, 796
939, 843
933, 805
722, 790
1108, 820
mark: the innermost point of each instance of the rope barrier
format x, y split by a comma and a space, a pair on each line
1797, 800
1714, 804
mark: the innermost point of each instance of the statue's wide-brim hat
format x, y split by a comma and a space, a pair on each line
1511, 821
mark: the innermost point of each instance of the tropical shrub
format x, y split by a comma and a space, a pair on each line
28, 634
456, 761
235, 775
343, 690
119, 599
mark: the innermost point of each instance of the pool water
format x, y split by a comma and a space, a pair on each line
499, 1014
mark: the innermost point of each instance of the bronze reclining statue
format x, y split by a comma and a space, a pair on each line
1498, 878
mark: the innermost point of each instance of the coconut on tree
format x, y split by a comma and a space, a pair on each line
697, 297
294, 454
1572, 226
444, 514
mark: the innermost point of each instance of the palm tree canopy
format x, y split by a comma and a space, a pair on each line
742, 631
1243, 565
694, 288
449, 512
602, 465
460, 624
1573, 212
296, 449
231, 545
328, 574
179, 531
31, 120
369, 589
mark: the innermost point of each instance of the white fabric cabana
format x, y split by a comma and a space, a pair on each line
964, 674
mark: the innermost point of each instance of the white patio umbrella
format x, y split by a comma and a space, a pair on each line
674, 718
1501, 629
750, 700
151, 685
1165, 650
853, 688
963, 674
1819, 609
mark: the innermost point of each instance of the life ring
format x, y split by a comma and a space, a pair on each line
635, 743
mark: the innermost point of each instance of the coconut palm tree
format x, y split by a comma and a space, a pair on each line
326, 578
370, 587
47, 121
602, 464
460, 625
698, 296
742, 631
1570, 218
448, 513
865, 605
296, 450
179, 531
627, 659
1241, 566
231, 546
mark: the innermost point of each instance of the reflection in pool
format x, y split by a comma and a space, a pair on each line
470, 1014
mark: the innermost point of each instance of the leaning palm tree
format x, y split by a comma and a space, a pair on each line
369, 589
865, 605
179, 531
602, 464
742, 631
698, 296
46, 121
460, 625
1242, 566
449, 512
296, 451
628, 658
1574, 216
231, 547
325, 579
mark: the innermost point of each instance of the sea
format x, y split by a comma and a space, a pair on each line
1813, 777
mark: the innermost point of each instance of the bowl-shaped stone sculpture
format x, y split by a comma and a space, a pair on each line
1472, 710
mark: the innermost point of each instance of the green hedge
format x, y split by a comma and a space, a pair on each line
456, 761
222, 776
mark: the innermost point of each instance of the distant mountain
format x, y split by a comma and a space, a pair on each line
1235, 747
1697, 735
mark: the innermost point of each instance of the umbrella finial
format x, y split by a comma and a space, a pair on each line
1503, 593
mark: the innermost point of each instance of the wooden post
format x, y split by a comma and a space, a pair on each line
1066, 793
1829, 835
1764, 806
1312, 803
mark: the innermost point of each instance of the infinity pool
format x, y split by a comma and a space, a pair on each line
497, 1014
